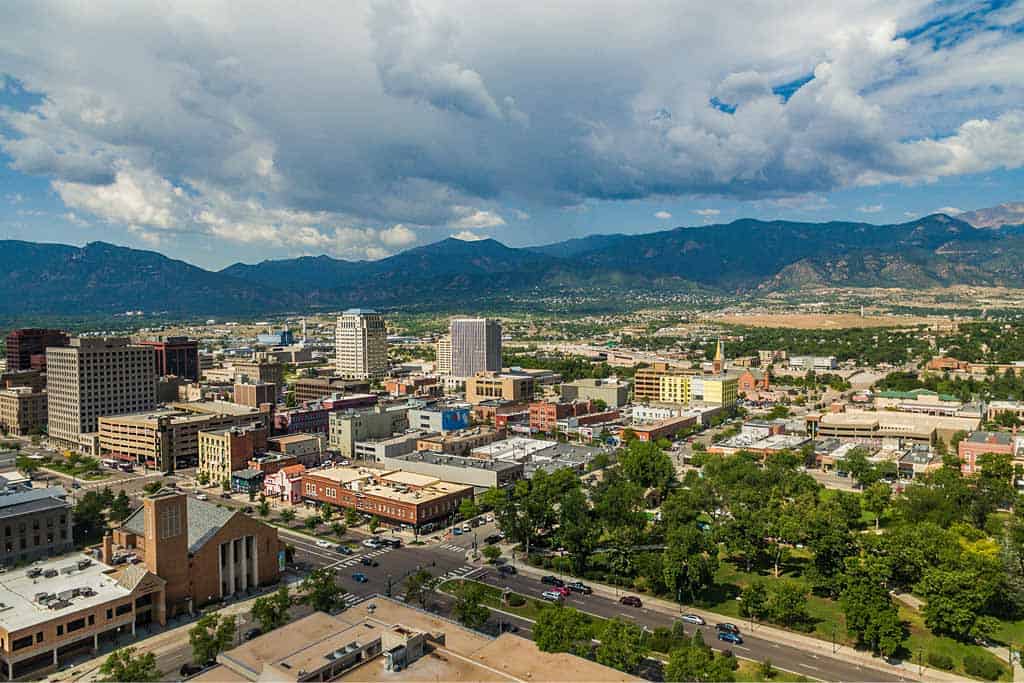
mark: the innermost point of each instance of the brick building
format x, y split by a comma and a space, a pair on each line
178, 356
458, 443
223, 451
486, 386
544, 415
22, 411
980, 443
254, 395
752, 380
26, 348
203, 552
285, 484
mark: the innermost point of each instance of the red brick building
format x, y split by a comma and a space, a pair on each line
753, 381
979, 443
26, 348
178, 356
544, 415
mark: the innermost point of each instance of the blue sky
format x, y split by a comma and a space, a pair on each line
222, 133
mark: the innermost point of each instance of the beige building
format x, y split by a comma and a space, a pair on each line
22, 411
886, 424
444, 355
169, 439
361, 344
460, 442
614, 393
223, 451
348, 427
647, 381
259, 370
487, 386
94, 377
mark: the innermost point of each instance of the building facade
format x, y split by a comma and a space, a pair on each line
458, 443
36, 524
475, 346
361, 345
224, 451
95, 377
647, 381
255, 395
26, 348
178, 356
444, 355
487, 386
22, 411
614, 393
348, 427
980, 443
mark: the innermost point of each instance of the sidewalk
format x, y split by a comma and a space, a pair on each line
795, 640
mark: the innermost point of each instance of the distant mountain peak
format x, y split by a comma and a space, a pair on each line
1010, 213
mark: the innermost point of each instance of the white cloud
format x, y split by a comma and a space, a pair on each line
662, 215
470, 218
870, 208
398, 236
520, 215
425, 113
707, 213
468, 236
949, 210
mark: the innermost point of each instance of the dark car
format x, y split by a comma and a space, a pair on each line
728, 637
492, 539
188, 669
507, 569
252, 633
726, 627
344, 550
393, 542
247, 509
360, 577
369, 562
579, 587
631, 600
552, 581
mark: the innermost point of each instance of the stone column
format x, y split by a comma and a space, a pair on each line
231, 567
243, 551
95, 642
55, 656
255, 561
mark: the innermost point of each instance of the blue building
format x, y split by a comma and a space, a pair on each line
282, 338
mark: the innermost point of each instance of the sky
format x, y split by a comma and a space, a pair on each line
243, 131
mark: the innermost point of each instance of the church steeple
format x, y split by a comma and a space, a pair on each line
718, 365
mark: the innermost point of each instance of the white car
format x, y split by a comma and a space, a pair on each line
693, 619
371, 543
553, 596
323, 544
466, 528
345, 463
490, 517
202, 496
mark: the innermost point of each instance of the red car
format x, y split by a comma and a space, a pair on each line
561, 589
631, 600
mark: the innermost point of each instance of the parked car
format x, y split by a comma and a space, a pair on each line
492, 539
466, 528
693, 619
631, 600
393, 542
360, 577
507, 570
369, 562
728, 637
323, 544
371, 543
344, 550
457, 531
553, 596
188, 669
552, 581
226, 495
579, 587
562, 590
252, 633
490, 517
726, 627
202, 496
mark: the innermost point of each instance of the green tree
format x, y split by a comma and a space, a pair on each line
695, 661
468, 509
352, 518
622, 646
321, 591
374, 524
860, 468
338, 529
125, 665
311, 522
271, 611
419, 586
121, 507
875, 499
212, 634
754, 602
89, 521
955, 602
689, 561
647, 465
287, 515
492, 553
469, 608
787, 603
264, 508
871, 616
326, 512
577, 530
562, 629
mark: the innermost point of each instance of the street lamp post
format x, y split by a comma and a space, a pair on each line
833, 639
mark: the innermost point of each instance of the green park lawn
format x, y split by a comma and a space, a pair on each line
531, 609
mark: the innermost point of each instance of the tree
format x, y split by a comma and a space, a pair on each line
871, 616
468, 509
955, 602
27, 465
860, 468
875, 499
211, 635
338, 529
264, 508
89, 521
271, 611
419, 586
287, 515
695, 661
326, 512
121, 506
577, 530
203, 478
754, 603
647, 465
622, 646
492, 553
126, 666
787, 603
689, 561
321, 591
562, 629
469, 608
311, 522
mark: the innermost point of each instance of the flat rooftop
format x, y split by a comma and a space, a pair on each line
517, 446
462, 462
18, 591
295, 438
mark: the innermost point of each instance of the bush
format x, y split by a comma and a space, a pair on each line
982, 666
940, 660
516, 600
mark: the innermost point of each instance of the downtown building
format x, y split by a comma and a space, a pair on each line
177, 356
95, 377
361, 344
475, 346
26, 348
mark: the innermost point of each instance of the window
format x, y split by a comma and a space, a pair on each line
92, 619
110, 613
123, 609
60, 629
21, 643
76, 625
39, 636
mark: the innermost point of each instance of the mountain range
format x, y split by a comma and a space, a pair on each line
743, 256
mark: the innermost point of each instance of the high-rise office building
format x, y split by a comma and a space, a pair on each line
444, 355
476, 346
94, 377
178, 356
26, 348
361, 344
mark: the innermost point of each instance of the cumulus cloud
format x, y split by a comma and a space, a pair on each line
870, 208
468, 236
213, 119
662, 215
949, 210
707, 213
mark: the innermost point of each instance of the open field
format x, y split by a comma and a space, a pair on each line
822, 321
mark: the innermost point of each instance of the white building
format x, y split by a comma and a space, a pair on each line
817, 363
444, 355
475, 346
361, 345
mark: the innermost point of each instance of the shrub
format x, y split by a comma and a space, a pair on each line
516, 600
940, 660
982, 666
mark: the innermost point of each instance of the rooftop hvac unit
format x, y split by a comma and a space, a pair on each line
33, 572
86, 592
82, 564
68, 594
44, 597
68, 569
50, 573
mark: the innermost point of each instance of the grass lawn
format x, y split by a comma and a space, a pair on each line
1010, 633
751, 671
922, 641
492, 598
